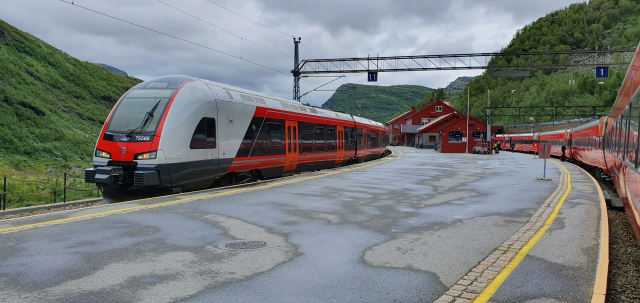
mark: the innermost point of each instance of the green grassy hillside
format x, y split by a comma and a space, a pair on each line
377, 103
600, 24
52, 105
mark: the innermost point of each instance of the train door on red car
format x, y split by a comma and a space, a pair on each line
291, 130
341, 142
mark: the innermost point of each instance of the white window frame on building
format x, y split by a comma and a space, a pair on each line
438, 109
425, 121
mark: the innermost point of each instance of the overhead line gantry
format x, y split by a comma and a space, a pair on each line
567, 59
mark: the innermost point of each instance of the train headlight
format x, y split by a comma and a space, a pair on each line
102, 154
146, 156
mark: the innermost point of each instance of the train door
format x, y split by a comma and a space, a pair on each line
341, 143
364, 145
291, 129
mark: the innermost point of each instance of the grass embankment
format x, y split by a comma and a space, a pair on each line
52, 107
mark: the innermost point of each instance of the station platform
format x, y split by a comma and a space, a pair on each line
419, 226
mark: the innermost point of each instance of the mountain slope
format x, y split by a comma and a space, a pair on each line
597, 24
52, 105
377, 103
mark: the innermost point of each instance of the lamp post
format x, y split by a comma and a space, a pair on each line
599, 91
466, 150
513, 102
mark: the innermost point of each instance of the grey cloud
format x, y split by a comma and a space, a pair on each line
328, 28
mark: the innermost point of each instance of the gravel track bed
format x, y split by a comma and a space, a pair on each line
51, 210
624, 260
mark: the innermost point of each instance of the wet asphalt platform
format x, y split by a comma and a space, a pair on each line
406, 228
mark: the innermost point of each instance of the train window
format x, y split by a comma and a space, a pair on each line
131, 110
318, 138
295, 139
360, 139
204, 136
625, 132
307, 142
289, 139
373, 139
331, 139
634, 118
211, 132
350, 138
274, 133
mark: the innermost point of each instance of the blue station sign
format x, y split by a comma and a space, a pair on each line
602, 72
373, 77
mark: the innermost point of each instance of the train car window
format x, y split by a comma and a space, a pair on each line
295, 139
133, 107
204, 136
307, 142
318, 138
289, 139
360, 138
331, 139
350, 138
199, 137
211, 133
618, 135
624, 131
373, 139
634, 119
274, 133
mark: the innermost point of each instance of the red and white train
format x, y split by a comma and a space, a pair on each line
181, 133
609, 145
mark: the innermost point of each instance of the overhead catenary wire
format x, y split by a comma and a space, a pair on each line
271, 28
224, 30
314, 55
175, 37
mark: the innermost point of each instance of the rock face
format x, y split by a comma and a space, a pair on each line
113, 69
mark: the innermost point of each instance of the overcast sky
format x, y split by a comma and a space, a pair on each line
329, 29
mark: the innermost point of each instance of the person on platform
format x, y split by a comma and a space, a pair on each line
513, 146
564, 149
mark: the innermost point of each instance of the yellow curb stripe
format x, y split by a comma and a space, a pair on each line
504, 274
128, 209
600, 284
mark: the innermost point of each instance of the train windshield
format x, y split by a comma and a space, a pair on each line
131, 111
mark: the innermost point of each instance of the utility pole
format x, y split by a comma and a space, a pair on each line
296, 71
488, 118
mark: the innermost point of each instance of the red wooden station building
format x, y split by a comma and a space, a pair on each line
437, 125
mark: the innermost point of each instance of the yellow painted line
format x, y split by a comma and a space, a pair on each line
231, 192
504, 274
600, 285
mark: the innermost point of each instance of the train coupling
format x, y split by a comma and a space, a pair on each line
105, 175
117, 176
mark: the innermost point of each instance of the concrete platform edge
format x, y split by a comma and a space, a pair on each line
600, 285
14, 211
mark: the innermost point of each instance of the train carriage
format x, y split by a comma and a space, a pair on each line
621, 144
179, 133
586, 145
524, 142
556, 139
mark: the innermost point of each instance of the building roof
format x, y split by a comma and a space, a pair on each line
401, 116
430, 107
435, 121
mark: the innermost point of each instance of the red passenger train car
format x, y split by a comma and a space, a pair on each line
586, 145
556, 139
524, 142
620, 146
